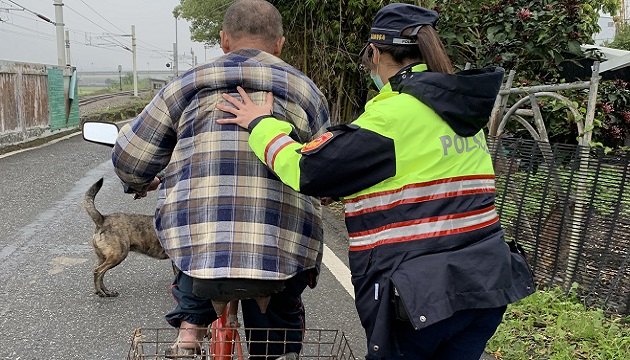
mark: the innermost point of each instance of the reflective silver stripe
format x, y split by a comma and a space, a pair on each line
274, 147
403, 41
427, 229
415, 192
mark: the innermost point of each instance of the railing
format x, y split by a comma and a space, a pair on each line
538, 187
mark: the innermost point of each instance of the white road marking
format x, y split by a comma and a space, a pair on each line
339, 270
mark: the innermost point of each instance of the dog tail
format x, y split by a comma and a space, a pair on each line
88, 203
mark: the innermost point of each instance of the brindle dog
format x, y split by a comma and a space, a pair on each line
117, 234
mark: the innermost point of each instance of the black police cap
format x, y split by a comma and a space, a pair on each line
390, 22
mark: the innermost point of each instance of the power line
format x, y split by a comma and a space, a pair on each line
45, 36
99, 14
85, 17
110, 37
33, 12
155, 47
50, 36
88, 19
25, 17
72, 30
12, 7
25, 34
112, 24
107, 41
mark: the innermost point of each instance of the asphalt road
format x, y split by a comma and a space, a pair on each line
47, 306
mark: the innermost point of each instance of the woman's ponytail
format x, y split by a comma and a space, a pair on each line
432, 51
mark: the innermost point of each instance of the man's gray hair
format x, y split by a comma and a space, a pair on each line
253, 18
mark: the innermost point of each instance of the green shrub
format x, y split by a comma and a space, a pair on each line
555, 326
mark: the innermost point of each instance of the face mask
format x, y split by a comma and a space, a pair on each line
376, 77
377, 81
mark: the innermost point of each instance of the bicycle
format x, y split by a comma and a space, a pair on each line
224, 342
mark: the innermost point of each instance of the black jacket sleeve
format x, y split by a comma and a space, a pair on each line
352, 160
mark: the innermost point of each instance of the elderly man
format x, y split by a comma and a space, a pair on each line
221, 216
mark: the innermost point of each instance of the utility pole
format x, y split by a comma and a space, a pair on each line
175, 55
61, 51
67, 48
135, 70
192, 54
120, 77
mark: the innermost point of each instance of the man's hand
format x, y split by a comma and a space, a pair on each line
326, 201
245, 111
137, 196
154, 185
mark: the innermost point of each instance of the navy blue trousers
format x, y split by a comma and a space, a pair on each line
285, 311
463, 336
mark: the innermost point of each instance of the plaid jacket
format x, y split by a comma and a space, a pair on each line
220, 212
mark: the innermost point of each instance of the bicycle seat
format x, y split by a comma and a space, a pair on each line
222, 291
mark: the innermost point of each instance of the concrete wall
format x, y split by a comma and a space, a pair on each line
607, 32
25, 100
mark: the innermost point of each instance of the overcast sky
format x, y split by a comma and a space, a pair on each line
25, 38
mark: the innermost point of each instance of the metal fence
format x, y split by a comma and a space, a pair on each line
569, 207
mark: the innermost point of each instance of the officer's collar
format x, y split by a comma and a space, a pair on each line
395, 80
415, 67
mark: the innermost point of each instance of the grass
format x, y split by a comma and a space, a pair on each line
552, 325
99, 90
127, 111
94, 90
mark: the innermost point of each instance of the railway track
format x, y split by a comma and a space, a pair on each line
94, 98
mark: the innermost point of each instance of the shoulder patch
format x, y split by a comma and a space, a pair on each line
317, 142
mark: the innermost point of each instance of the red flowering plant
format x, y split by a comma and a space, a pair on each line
612, 115
531, 37
534, 38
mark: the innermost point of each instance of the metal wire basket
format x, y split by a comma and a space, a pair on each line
151, 343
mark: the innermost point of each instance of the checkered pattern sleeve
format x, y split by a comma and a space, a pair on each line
144, 145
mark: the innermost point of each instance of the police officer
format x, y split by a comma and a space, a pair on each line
431, 270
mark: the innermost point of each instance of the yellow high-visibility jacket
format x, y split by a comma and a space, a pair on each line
417, 183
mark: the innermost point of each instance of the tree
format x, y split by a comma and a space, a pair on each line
205, 17
622, 38
323, 41
325, 37
531, 37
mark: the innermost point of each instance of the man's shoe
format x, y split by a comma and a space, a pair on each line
186, 349
177, 351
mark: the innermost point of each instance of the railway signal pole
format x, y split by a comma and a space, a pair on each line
135, 70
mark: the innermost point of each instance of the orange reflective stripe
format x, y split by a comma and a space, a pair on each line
274, 147
416, 193
423, 228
